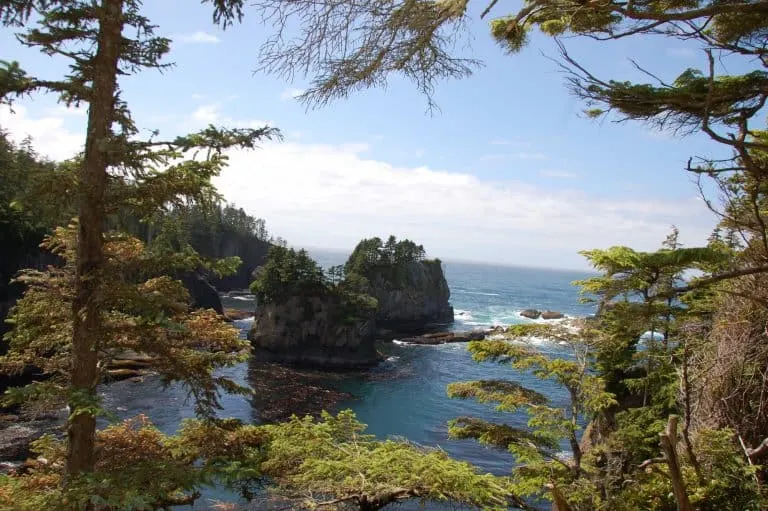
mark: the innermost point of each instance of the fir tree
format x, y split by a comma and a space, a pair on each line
103, 41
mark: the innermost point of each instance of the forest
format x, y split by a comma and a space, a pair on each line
667, 384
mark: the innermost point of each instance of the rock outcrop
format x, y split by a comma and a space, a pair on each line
552, 315
313, 331
411, 298
17, 433
530, 313
202, 293
446, 337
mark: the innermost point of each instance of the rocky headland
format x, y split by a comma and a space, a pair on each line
415, 300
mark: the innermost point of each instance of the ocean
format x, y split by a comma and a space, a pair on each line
404, 396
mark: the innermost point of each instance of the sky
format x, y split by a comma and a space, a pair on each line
508, 171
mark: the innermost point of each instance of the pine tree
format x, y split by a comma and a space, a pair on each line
332, 463
543, 470
103, 41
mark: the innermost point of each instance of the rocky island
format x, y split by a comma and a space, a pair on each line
305, 318
329, 320
411, 290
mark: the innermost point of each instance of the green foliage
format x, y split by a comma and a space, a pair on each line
291, 274
508, 394
372, 257
288, 273
730, 482
217, 232
334, 460
142, 311
496, 435
536, 447
138, 467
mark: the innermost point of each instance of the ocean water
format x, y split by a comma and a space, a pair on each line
405, 396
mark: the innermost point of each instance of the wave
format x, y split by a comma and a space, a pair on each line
399, 343
481, 293
462, 315
243, 298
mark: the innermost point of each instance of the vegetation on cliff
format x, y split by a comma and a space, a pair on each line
410, 289
287, 273
372, 256
290, 273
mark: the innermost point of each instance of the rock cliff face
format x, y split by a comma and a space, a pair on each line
253, 253
311, 331
412, 298
201, 293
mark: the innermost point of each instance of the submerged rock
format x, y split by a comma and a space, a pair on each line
530, 313
313, 331
281, 391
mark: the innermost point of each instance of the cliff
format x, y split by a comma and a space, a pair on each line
411, 296
411, 290
252, 252
312, 331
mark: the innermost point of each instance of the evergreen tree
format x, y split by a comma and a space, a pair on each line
543, 470
102, 41
332, 463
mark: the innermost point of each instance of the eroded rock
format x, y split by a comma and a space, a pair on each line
314, 332
530, 313
446, 337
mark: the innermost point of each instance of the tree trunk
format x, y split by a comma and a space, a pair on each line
86, 323
668, 445
558, 501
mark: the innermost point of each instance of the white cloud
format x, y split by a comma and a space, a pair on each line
207, 114
76, 111
198, 37
211, 114
291, 93
554, 173
50, 136
332, 196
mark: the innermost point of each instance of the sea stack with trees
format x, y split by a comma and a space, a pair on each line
411, 290
329, 319
302, 317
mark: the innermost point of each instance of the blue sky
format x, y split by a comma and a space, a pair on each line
508, 171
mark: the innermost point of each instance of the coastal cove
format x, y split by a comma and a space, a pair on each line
406, 394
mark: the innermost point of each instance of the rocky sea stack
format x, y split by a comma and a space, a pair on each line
410, 290
311, 331
306, 318
328, 319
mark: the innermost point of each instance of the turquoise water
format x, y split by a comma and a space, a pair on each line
405, 396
